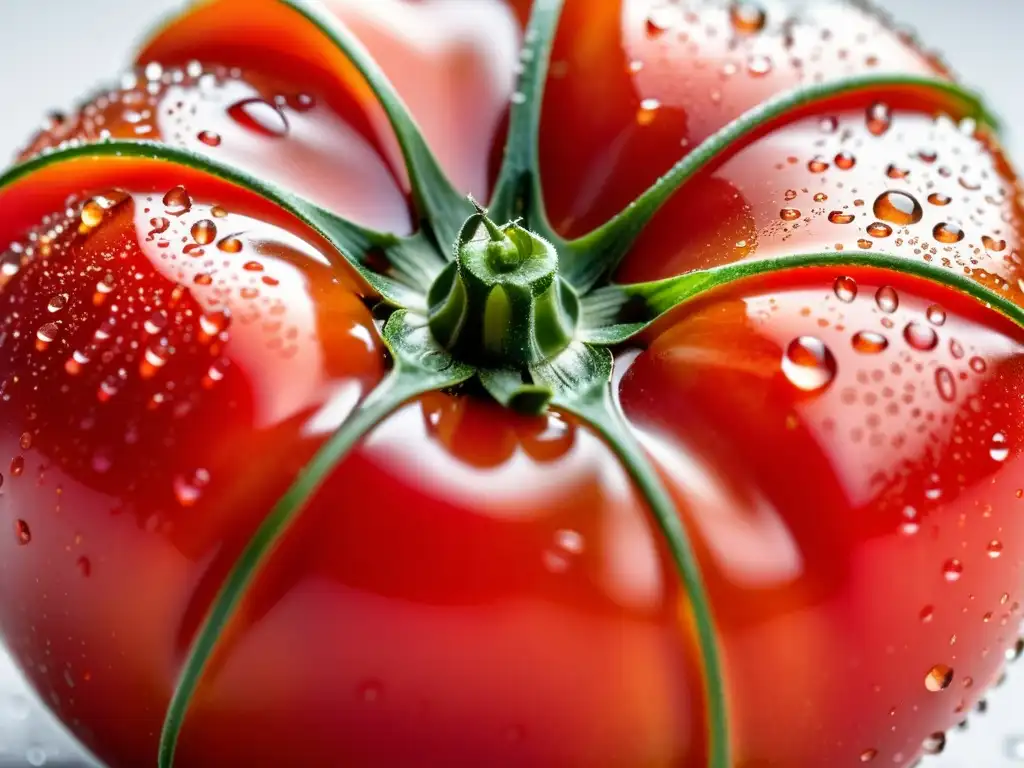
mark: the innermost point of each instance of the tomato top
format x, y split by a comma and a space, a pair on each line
747, 284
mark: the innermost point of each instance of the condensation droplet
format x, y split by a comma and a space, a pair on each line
935, 743
648, 111
920, 336
177, 201
869, 342
937, 198
878, 229
952, 570
845, 161
994, 548
945, 383
936, 315
845, 289
879, 118
938, 678
817, 165
209, 138
999, 448
204, 232
887, 299
57, 302
898, 208
188, 489
947, 232
789, 214
230, 244
22, 532
993, 245
838, 217
747, 17
809, 364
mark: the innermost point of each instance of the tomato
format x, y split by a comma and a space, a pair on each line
833, 414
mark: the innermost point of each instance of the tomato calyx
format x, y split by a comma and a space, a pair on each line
502, 301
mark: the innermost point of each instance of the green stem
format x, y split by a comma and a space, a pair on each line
436, 199
595, 255
418, 368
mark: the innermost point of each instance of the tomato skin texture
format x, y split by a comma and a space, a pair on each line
471, 586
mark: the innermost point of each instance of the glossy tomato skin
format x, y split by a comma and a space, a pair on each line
472, 586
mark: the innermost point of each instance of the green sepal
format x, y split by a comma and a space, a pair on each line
581, 379
616, 313
413, 262
518, 191
436, 198
509, 388
419, 366
585, 261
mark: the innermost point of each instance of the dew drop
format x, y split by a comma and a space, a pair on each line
845, 289
921, 337
209, 138
789, 214
17, 466
947, 232
878, 229
911, 523
26, 441
887, 299
952, 570
809, 364
938, 678
259, 116
868, 755
57, 302
927, 614
759, 65
747, 18
156, 322
648, 111
896, 172
994, 549
817, 164
936, 315
92, 214
978, 365
22, 532
189, 488
47, 333
999, 448
869, 342
838, 217
230, 244
937, 198
159, 225
898, 208
820, 197
845, 161
879, 118
993, 245
935, 743
177, 201
204, 232
945, 384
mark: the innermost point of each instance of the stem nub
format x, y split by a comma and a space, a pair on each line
502, 303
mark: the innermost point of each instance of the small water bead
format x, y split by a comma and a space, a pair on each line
999, 449
947, 232
845, 161
952, 570
57, 302
937, 198
817, 164
879, 118
868, 755
209, 138
789, 214
838, 217
938, 678
936, 315
809, 364
259, 116
92, 214
865, 244
759, 66
820, 197
47, 333
935, 743
747, 17
927, 614
660, 20
887, 299
845, 289
177, 201
159, 225
22, 532
956, 349
188, 489
156, 322
911, 523
828, 125
218, 212
921, 337
869, 342
790, 194
204, 232
1014, 652
978, 365
648, 111
230, 244
878, 229
898, 208
993, 245
17, 466
252, 266
994, 549
896, 172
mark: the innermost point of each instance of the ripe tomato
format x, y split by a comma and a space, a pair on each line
834, 411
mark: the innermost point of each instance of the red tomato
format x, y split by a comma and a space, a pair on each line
473, 586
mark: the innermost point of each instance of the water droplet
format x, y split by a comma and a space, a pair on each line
47, 333
648, 111
999, 449
209, 138
935, 743
994, 548
22, 532
887, 299
230, 244
17, 466
868, 755
946, 384
878, 229
947, 232
938, 678
845, 161
57, 302
993, 245
790, 194
789, 214
259, 116
159, 225
896, 172
25, 441
204, 232
937, 198
845, 289
920, 336
869, 342
879, 118
213, 323
911, 523
92, 214
820, 197
936, 315
898, 208
927, 614
809, 364
838, 217
177, 201
156, 322
952, 570
747, 18
188, 489
1015, 651
865, 244
817, 164
568, 544
759, 66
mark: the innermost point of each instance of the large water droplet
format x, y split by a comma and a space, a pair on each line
947, 232
845, 289
878, 229
952, 570
204, 232
57, 302
845, 161
259, 116
887, 299
936, 315
177, 201
809, 364
869, 342
879, 118
898, 208
938, 678
920, 336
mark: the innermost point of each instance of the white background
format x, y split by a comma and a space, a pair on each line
53, 51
